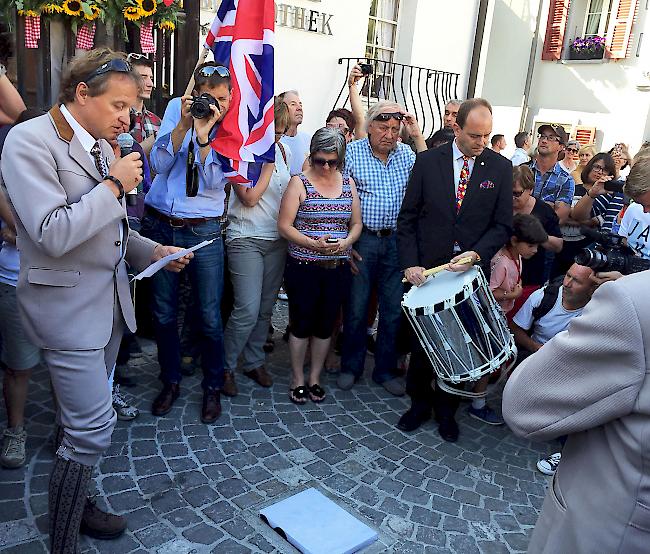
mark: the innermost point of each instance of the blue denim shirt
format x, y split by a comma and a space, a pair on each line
167, 193
556, 185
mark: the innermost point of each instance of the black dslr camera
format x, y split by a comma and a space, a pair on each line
200, 108
610, 254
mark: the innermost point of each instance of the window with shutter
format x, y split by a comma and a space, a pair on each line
555, 28
620, 29
585, 135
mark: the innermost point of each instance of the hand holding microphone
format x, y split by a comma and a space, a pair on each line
128, 170
125, 142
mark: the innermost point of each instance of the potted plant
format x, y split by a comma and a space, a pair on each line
589, 48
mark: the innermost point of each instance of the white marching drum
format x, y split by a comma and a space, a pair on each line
460, 326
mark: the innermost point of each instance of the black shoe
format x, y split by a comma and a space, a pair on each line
413, 418
448, 429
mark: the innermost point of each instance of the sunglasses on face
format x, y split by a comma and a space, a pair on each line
322, 162
572, 150
518, 193
386, 116
119, 65
210, 70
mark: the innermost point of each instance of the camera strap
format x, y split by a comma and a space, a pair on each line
191, 171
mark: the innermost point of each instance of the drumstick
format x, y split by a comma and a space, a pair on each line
438, 269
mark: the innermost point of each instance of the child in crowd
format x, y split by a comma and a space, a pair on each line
505, 280
505, 283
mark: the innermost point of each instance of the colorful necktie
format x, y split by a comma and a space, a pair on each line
462, 183
100, 163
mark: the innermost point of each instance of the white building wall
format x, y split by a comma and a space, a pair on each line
608, 95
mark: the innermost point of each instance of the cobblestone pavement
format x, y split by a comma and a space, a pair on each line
188, 487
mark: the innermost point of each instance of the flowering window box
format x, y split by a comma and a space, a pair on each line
590, 48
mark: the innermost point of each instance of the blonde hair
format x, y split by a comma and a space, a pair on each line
281, 114
587, 149
638, 181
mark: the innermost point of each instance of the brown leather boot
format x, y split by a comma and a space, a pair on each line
229, 384
101, 525
260, 376
165, 400
211, 405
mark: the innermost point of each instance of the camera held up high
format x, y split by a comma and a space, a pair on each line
200, 108
610, 254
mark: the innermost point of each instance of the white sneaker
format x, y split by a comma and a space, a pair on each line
282, 295
13, 448
548, 465
125, 412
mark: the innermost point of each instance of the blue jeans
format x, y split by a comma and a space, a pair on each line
205, 272
379, 266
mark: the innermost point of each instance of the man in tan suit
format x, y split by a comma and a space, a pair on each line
591, 383
73, 291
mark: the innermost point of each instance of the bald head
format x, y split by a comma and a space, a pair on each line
577, 286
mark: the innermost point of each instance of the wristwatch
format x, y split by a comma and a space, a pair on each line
3, 70
118, 184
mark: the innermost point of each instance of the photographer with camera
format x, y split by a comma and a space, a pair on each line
185, 204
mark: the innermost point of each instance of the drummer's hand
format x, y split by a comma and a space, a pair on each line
453, 266
354, 258
415, 275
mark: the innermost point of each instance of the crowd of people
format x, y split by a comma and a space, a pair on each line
338, 220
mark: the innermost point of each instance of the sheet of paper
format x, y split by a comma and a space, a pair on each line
157, 266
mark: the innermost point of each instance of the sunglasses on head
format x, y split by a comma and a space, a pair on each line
210, 70
386, 116
119, 65
322, 162
136, 57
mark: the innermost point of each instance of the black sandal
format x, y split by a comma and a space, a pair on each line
316, 393
299, 395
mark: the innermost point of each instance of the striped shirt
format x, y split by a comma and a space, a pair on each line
318, 216
608, 206
381, 186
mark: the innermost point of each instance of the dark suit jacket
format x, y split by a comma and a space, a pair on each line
428, 225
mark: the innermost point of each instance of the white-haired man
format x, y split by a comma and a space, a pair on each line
380, 165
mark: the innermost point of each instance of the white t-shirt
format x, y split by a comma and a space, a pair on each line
546, 327
636, 228
299, 146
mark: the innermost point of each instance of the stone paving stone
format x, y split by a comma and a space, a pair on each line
186, 487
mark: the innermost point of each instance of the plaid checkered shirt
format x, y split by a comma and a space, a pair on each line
381, 187
146, 124
556, 185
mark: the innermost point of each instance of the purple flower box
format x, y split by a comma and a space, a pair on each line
590, 48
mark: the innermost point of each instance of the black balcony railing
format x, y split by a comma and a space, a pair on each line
421, 91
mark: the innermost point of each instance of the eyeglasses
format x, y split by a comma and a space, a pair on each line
210, 70
518, 194
548, 137
386, 116
599, 169
323, 162
136, 57
119, 65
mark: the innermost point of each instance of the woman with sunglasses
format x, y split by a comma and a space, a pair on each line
256, 257
533, 269
570, 161
320, 216
584, 155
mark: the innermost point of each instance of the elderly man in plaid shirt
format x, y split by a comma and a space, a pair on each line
146, 123
380, 165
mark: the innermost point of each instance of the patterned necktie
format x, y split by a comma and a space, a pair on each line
462, 183
100, 162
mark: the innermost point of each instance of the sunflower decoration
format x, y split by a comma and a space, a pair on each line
94, 13
131, 13
167, 15
146, 8
73, 8
29, 8
52, 8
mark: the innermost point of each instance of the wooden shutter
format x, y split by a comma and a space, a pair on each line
557, 18
585, 135
620, 29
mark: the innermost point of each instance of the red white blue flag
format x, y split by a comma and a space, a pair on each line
242, 38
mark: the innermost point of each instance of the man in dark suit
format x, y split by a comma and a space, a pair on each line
458, 204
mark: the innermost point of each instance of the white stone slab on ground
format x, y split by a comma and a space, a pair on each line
316, 525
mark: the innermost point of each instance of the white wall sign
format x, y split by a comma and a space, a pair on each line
303, 19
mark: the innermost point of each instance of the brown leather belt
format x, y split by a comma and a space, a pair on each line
178, 222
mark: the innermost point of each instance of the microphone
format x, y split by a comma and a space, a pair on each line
125, 142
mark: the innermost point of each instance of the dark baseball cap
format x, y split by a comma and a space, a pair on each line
557, 130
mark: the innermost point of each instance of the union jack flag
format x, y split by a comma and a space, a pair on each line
242, 37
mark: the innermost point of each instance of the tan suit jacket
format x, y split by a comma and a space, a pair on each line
72, 260
591, 383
